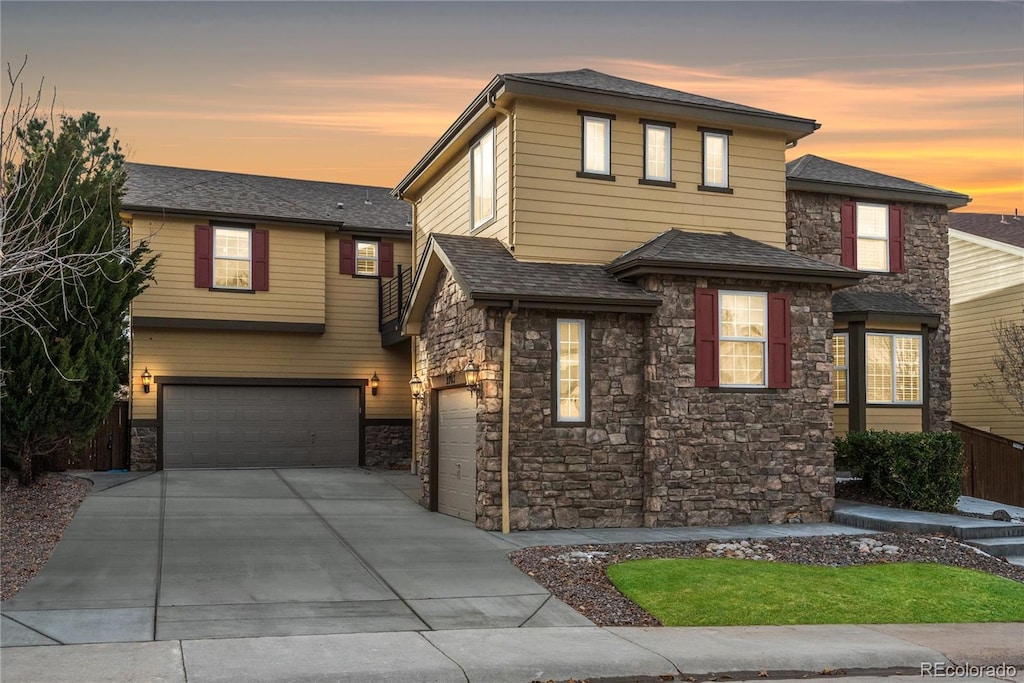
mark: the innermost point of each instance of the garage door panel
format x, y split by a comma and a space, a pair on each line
212, 426
456, 462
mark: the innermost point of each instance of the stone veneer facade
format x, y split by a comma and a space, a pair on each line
142, 455
658, 450
387, 444
813, 228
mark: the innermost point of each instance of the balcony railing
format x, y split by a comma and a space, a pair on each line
392, 300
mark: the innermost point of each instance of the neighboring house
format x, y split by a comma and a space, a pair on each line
608, 266
891, 344
261, 335
986, 273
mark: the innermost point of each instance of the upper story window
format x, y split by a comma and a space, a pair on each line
841, 366
232, 258
742, 339
872, 237
893, 368
570, 381
597, 146
715, 146
367, 258
481, 160
657, 152
743, 335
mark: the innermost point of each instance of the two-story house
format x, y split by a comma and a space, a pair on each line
618, 320
259, 344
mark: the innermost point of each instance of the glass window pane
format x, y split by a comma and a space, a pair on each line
366, 249
658, 153
230, 273
872, 220
715, 155
231, 243
482, 161
743, 316
741, 363
908, 369
570, 365
596, 152
879, 368
839, 376
872, 254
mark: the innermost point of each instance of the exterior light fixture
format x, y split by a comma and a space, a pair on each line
416, 387
147, 380
374, 383
472, 373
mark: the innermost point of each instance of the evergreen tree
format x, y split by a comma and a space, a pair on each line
62, 354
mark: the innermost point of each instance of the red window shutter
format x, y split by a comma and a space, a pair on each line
780, 362
260, 260
348, 257
386, 265
849, 234
896, 260
204, 256
706, 337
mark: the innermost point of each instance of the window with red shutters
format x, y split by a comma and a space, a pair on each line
706, 337
203, 268
849, 234
896, 257
780, 363
348, 257
386, 265
260, 260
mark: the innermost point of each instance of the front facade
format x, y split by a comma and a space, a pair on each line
643, 318
986, 269
259, 340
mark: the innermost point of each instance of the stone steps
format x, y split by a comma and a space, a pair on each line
880, 518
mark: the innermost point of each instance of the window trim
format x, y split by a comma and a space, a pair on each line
214, 258
893, 368
705, 185
885, 240
647, 179
763, 340
584, 374
844, 366
475, 222
356, 241
584, 172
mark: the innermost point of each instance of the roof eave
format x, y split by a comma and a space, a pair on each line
795, 127
951, 200
836, 279
883, 317
617, 305
988, 242
259, 218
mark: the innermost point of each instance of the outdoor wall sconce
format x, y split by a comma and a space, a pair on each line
374, 383
416, 387
472, 373
147, 380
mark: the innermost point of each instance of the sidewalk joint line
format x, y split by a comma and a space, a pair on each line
181, 651
657, 654
160, 551
33, 629
539, 608
446, 655
348, 546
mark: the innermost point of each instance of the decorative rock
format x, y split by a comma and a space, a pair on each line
1001, 515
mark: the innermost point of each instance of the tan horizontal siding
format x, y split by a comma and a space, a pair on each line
841, 417
974, 348
894, 419
349, 349
559, 217
976, 271
296, 276
892, 327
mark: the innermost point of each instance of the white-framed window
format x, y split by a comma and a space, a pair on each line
597, 144
841, 367
232, 258
481, 161
658, 152
570, 370
894, 368
367, 257
873, 237
743, 339
716, 159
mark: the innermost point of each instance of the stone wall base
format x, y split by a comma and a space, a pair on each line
388, 445
142, 456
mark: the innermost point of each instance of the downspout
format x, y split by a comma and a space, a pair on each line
506, 394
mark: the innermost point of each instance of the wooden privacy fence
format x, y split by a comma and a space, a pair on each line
108, 449
993, 466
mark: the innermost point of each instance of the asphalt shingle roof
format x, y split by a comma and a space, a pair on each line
589, 79
1000, 227
723, 251
817, 169
186, 190
488, 269
878, 302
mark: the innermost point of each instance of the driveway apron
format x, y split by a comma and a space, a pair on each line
241, 553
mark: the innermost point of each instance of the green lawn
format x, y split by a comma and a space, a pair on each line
724, 592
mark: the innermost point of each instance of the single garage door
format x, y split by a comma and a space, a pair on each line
217, 426
456, 457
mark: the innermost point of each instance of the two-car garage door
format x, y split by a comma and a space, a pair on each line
264, 426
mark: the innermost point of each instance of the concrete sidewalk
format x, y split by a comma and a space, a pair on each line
522, 655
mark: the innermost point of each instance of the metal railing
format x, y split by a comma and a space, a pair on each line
393, 299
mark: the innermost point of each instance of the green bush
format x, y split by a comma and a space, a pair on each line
920, 471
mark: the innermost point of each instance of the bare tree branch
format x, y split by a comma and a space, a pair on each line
1007, 386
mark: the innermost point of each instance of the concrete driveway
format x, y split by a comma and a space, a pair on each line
239, 553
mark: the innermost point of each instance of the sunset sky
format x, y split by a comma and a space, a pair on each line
357, 92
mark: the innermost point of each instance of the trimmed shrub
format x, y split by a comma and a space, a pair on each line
919, 471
